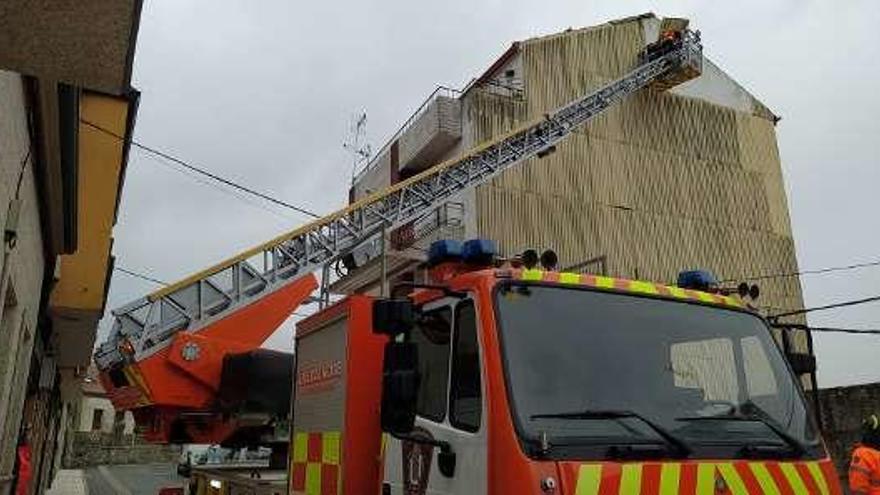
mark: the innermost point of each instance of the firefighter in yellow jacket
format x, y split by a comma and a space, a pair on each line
864, 469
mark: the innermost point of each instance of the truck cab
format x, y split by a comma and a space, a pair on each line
508, 380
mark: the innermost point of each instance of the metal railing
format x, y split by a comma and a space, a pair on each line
448, 216
441, 91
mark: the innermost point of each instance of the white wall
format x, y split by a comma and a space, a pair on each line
22, 267
87, 411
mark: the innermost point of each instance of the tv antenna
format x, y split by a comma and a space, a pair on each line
356, 143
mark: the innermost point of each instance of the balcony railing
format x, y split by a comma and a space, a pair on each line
441, 91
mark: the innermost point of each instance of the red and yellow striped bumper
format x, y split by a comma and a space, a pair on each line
701, 478
314, 466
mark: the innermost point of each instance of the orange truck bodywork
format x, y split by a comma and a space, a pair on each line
170, 394
349, 457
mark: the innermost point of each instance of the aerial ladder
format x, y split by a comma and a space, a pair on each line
164, 358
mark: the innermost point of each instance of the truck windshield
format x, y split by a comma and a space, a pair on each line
710, 378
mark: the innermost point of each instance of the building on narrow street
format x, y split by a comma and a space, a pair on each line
67, 110
688, 178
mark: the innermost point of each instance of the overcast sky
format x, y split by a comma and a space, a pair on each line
263, 92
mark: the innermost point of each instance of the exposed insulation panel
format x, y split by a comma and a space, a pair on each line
657, 184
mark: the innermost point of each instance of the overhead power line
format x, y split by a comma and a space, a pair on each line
845, 330
256, 203
800, 326
139, 275
201, 171
829, 306
854, 266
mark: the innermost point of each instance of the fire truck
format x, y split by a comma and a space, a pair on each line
496, 377
493, 378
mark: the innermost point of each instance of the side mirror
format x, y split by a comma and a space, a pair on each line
801, 362
400, 387
393, 316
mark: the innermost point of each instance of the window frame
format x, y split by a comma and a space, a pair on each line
453, 421
437, 306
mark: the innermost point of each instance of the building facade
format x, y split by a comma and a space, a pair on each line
662, 182
65, 71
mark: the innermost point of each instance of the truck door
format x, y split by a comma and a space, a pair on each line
450, 407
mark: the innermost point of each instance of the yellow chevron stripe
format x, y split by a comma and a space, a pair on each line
531, 274
678, 292
313, 478
604, 282
705, 478
794, 478
732, 301
702, 296
569, 278
818, 477
765, 479
669, 477
300, 447
330, 447
589, 476
642, 287
630, 479
734, 482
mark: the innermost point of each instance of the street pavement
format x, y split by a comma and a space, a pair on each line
131, 479
68, 482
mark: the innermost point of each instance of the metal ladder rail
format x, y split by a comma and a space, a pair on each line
306, 249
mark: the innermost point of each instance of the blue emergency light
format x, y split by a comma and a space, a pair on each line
444, 250
479, 251
697, 280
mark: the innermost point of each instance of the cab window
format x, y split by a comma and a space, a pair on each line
465, 395
432, 335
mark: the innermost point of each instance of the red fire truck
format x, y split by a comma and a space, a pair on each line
495, 379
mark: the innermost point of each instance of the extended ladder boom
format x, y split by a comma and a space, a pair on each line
146, 325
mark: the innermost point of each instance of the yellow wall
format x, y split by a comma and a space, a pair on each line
84, 273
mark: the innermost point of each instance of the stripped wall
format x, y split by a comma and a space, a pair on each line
657, 184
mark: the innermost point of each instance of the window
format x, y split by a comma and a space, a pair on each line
707, 365
465, 405
431, 336
97, 419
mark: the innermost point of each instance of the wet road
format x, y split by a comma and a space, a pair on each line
131, 479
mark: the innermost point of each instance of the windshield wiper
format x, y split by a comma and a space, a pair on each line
793, 443
681, 448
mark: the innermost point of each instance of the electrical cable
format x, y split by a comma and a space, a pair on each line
829, 306
845, 330
139, 275
800, 326
198, 170
224, 190
24, 163
807, 272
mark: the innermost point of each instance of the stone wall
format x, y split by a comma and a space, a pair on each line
88, 449
842, 410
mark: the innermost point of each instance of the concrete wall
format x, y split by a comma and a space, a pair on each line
86, 43
377, 178
431, 135
87, 413
842, 410
22, 266
109, 418
89, 449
